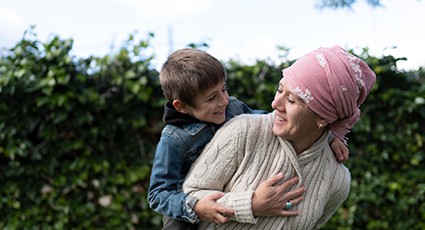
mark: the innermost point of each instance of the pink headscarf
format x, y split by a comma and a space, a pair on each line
333, 83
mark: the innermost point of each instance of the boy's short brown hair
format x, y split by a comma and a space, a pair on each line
189, 72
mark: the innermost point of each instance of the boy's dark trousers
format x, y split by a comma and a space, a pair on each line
172, 224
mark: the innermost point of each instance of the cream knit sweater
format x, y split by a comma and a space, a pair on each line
246, 152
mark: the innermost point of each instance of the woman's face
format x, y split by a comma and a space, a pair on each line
294, 120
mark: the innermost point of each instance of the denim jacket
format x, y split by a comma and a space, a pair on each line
179, 146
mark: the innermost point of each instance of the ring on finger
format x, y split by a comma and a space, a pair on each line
288, 205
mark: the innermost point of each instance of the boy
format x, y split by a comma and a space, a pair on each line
194, 83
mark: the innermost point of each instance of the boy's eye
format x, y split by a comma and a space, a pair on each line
212, 98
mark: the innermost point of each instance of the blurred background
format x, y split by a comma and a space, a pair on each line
81, 105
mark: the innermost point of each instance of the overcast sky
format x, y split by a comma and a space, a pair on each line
240, 29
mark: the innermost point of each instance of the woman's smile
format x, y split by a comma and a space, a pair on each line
281, 119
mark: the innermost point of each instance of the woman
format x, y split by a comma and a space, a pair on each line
322, 91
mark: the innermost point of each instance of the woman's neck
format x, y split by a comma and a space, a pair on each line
305, 143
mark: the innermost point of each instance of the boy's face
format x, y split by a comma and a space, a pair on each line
211, 105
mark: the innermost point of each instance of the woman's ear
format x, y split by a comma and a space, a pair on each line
180, 106
321, 123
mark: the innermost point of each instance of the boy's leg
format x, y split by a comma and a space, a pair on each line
172, 224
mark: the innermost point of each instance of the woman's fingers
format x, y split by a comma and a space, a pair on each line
295, 198
274, 179
296, 201
270, 199
294, 194
289, 183
289, 212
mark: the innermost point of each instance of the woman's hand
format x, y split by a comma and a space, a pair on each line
340, 150
269, 200
208, 210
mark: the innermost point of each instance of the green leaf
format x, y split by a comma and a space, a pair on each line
130, 74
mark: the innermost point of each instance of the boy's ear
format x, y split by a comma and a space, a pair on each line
180, 106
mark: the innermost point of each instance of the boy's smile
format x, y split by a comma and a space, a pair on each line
219, 112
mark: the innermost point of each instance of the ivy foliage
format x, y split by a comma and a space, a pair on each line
77, 138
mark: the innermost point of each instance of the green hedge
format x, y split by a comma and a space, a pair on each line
76, 133
77, 138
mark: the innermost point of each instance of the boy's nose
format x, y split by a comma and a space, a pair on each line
224, 99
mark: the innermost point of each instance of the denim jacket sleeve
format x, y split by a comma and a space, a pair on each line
165, 195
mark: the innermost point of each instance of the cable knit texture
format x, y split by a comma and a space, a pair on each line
245, 152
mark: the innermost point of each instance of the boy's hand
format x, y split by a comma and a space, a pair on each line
269, 200
208, 210
340, 150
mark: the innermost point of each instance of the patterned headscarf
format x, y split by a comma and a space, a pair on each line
333, 83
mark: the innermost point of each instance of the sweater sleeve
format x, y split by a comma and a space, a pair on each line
214, 169
342, 184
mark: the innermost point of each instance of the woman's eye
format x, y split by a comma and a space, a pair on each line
291, 101
278, 90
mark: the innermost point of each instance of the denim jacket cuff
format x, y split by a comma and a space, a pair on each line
189, 215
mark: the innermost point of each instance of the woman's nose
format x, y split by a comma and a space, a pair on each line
277, 103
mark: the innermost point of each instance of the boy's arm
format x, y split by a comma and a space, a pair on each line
340, 151
165, 196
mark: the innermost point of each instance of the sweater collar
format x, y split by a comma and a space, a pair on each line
305, 157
